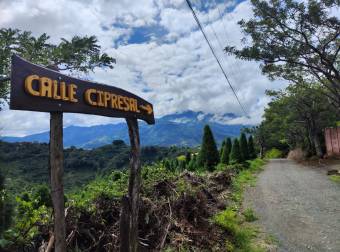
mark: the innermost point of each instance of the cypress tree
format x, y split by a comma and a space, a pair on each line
187, 157
229, 145
225, 155
235, 155
251, 148
226, 151
244, 147
208, 156
222, 146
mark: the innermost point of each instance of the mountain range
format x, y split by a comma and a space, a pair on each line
185, 129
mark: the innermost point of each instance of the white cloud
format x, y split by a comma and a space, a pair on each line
177, 69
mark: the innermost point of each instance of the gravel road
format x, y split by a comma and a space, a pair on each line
299, 205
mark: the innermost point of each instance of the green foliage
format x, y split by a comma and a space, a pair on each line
27, 163
192, 166
80, 54
242, 235
273, 153
181, 158
6, 206
42, 196
31, 212
294, 40
251, 148
249, 215
228, 144
244, 178
112, 186
222, 146
335, 178
244, 147
295, 118
208, 156
235, 154
187, 157
226, 151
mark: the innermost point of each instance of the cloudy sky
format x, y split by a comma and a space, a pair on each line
160, 53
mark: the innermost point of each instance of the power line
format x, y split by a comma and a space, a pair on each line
213, 52
231, 66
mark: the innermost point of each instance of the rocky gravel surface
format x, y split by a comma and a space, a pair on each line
298, 205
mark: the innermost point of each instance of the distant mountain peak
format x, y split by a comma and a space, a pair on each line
190, 116
183, 128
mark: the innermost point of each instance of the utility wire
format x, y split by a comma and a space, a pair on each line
213, 52
231, 66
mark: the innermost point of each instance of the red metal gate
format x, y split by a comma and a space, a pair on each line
332, 136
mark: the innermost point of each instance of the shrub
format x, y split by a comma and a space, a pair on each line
273, 153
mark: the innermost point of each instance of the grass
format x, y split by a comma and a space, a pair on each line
242, 234
244, 178
335, 178
249, 215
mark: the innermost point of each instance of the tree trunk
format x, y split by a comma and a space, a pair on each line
56, 177
317, 145
130, 207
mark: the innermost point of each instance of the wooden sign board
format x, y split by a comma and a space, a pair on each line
37, 88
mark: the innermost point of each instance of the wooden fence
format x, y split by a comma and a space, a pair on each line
332, 137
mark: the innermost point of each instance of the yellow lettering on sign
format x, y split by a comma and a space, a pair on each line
100, 98
28, 85
51, 89
45, 87
55, 90
114, 101
126, 103
88, 94
63, 91
120, 102
72, 92
107, 97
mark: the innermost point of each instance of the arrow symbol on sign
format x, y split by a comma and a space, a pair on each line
147, 108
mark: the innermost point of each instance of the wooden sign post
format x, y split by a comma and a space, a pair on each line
56, 177
37, 88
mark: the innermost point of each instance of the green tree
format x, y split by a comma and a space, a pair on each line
222, 146
251, 148
182, 165
42, 196
244, 146
295, 40
208, 156
235, 154
226, 151
187, 157
296, 117
80, 54
6, 206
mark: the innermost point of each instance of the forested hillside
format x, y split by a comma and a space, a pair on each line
24, 164
184, 129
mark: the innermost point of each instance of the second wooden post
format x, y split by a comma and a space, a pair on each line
130, 204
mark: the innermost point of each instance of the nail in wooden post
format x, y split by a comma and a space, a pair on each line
56, 177
130, 204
